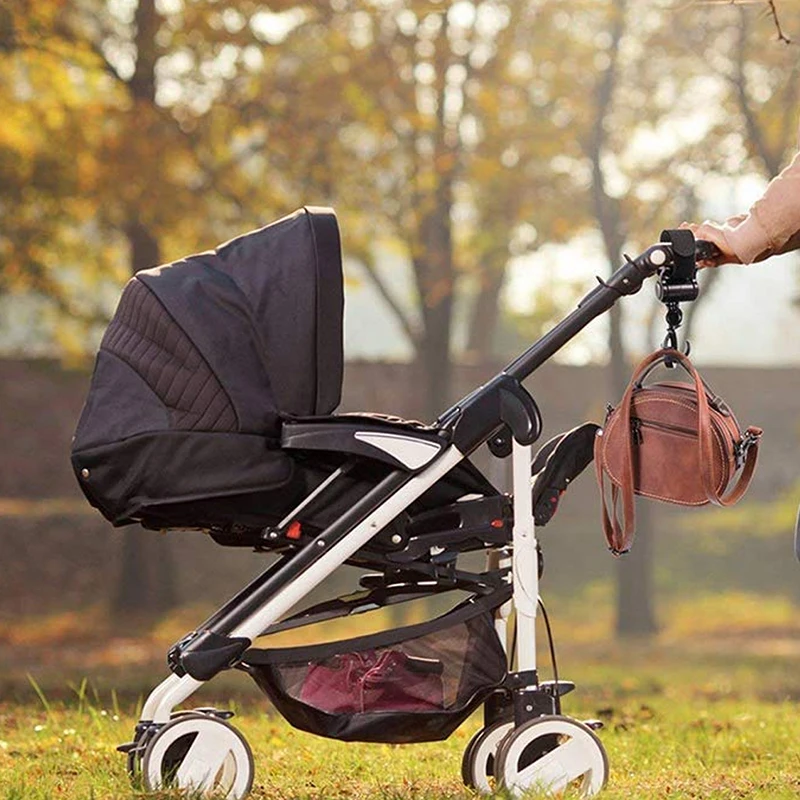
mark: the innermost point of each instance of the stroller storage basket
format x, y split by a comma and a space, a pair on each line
412, 684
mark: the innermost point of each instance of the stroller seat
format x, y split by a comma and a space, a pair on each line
203, 359
212, 399
211, 403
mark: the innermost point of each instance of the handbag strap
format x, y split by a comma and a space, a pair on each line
618, 534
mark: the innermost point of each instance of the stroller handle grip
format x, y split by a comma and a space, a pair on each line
706, 251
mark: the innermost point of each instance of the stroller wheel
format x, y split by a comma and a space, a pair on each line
551, 753
201, 755
477, 766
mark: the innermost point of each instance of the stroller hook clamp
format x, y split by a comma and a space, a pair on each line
677, 282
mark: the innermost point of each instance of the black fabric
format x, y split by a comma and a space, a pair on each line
412, 684
125, 479
330, 302
557, 464
143, 335
202, 360
291, 273
221, 345
109, 414
214, 313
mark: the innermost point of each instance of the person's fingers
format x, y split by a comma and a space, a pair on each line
712, 232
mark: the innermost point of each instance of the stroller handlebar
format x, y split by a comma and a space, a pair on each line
659, 259
502, 400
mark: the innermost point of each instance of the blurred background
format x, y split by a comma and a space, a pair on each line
486, 158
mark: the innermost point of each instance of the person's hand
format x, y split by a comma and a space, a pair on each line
711, 232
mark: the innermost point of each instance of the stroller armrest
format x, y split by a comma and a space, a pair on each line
404, 445
557, 464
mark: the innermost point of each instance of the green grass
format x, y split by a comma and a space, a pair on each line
709, 709
696, 726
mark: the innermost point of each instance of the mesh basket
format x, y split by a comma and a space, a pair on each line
413, 684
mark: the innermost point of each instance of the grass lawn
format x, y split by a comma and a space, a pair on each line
702, 712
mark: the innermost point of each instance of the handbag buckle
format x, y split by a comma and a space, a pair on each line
749, 438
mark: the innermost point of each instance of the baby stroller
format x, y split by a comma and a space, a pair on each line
211, 407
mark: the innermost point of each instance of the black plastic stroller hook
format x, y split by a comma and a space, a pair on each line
677, 283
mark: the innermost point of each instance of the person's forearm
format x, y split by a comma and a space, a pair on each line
773, 222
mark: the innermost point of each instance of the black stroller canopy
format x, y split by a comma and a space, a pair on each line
201, 360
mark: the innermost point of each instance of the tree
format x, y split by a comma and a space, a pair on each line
430, 126
766, 141
639, 76
455, 128
144, 165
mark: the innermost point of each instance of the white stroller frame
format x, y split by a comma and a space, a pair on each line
538, 747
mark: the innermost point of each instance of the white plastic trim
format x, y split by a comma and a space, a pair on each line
526, 562
171, 692
412, 453
216, 752
579, 755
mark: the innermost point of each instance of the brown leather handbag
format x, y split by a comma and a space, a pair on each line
670, 441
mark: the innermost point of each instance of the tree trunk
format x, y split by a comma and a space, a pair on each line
143, 247
434, 358
635, 615
485, 312
146, 586
635, 590
435, 278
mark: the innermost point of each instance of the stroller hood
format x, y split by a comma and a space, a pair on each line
201, 360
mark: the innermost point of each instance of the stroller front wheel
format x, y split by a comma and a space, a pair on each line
477, 766
549, 754
201, 755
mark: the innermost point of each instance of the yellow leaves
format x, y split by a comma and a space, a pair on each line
561, 227
15, 133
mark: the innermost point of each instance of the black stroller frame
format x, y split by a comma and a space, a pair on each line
525, 741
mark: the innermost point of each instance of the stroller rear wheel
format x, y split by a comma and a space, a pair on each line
551, 753
477, 766
200, 754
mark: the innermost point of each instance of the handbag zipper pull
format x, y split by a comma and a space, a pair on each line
636, 430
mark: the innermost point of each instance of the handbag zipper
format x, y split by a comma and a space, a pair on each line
637, 423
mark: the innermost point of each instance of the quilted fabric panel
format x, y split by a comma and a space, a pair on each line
144, 336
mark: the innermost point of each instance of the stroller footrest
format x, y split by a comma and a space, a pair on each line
204, 654
557, 689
